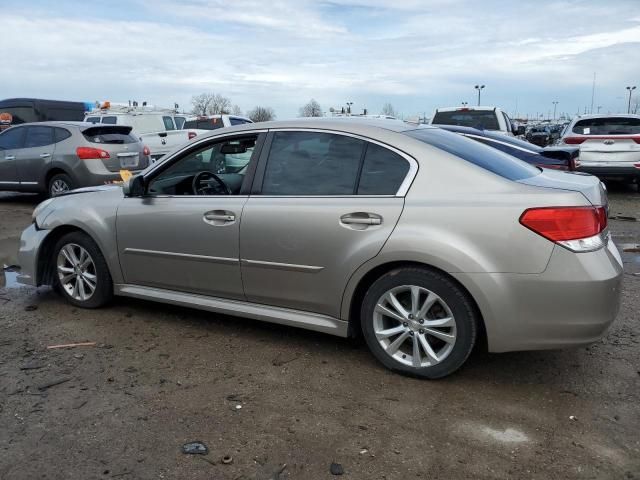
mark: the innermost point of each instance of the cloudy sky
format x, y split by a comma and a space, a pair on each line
415, 54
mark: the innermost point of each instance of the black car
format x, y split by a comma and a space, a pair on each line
558, 158
539, 135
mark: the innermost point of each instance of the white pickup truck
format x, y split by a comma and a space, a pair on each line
157, 129
483, 118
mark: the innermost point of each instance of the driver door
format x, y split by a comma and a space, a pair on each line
185, 237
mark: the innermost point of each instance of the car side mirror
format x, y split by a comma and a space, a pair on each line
134, 187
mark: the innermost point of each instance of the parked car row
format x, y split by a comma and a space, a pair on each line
425, 242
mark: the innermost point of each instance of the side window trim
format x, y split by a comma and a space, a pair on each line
256, 188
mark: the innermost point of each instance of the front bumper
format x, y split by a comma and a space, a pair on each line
30, 243
572, 303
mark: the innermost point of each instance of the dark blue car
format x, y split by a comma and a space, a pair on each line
557, 158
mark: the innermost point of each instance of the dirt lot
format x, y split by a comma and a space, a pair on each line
286, 403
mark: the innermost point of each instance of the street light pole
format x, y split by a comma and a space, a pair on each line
631, 89
555, 104
479, 88
349, 107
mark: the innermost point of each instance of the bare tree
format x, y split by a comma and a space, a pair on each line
261, 114
210, 104
387, 109
236, 110
311, 109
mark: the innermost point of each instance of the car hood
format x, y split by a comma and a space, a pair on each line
98, 188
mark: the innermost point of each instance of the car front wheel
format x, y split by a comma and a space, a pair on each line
419, 322
82, 275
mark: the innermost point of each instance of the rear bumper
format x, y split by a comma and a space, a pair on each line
30, 243
96, 173
572, 303
610, 171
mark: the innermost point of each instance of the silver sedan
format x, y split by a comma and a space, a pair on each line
423, 241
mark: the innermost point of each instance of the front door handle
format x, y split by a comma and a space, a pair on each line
45, 155
10, 157
219, 217
361, 220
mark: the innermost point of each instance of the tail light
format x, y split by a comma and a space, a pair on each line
145, 151
574, 140
578, 229
192, 135
636, 165
90, 153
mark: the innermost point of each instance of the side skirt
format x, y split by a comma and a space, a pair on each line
266, 313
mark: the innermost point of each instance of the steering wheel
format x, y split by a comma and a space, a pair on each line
202, 184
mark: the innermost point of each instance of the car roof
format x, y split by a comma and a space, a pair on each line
361, 126
454, 109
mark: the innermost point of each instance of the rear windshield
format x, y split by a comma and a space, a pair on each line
608, 126
110, 136
206, 124
238, 121
481, 155
481, 119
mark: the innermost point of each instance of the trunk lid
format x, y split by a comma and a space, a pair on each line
588, 185
125, 151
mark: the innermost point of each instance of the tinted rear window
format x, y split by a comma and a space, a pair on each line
238, 121
608, 126
483, 120
485, 157
109, 136
205, 124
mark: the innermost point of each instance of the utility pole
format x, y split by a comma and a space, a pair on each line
593, 91
555, 104
631, 89
479, 88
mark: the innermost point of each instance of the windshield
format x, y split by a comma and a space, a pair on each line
608, 126
477, 153
480, 119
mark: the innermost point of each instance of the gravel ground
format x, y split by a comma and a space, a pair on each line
286, 403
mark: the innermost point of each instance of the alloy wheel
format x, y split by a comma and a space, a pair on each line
76, 272
59, 186
414, 326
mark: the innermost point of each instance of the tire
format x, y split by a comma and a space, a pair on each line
449, 327
58, 184
95, 287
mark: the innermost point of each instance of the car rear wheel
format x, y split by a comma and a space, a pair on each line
419, 322
59, 184
82, 275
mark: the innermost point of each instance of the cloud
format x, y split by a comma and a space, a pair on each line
418, 55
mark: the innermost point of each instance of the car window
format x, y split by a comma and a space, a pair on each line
168, 123
383, 171
228, 159
12, 138
61, 134
480, 119
204, 124
38, 137
485, 157
312, 163
238, 121
179, 122
92, 119
608, 126
110, 120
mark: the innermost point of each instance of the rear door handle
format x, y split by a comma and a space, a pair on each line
45, 155
219, 217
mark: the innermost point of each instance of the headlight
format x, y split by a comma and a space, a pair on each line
40, 208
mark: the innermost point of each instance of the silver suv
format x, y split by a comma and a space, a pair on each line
419, 239
55, 157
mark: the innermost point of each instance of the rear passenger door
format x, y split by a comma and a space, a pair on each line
322, 204
39, 147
